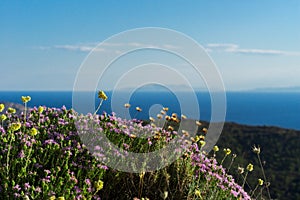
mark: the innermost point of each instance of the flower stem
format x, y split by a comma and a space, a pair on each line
98, 107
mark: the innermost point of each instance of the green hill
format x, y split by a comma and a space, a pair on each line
280, 152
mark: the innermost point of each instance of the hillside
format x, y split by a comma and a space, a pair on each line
280, 152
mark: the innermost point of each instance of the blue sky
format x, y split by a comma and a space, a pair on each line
255, 44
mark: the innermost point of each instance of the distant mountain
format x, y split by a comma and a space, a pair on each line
278, 89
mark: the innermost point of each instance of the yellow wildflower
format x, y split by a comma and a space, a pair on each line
99, 185
185, 133
216, 148
197, 193
260, 182
102, 95
204, 130
240, 170
40, 109
2, 107
167, 117
202, 143
174, 115
25, 99
138, 109
170, 128
162, 112
201, 137
152, 119
33, 131
15, 126
52, 198
227, 151
61, 198
3, 117
11, 110
165, 108
127, 105
256, 149
250, 167
159, 116
198, 123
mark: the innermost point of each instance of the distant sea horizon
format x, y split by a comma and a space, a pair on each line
256, 108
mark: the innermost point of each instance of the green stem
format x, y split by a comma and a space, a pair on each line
98, 107
245, 179
8, 154
264, 175
28, 158
25, 109
223, 159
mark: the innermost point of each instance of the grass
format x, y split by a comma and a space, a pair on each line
51, 153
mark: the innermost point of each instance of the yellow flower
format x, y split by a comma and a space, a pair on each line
159, 116
3, 117
170, 128
202, 143
52, 198
162, 112
185, 133
33, 132
40, 109
216, 148
201, 137
174, 115
197, 193
227, 151
152, 119
11, 110
260, 182
26, 99
99, 185
204, 130
250, 167
240, 170
61, 198
15, 126
127, 105
198, 123
165, 108
2, 107
167, 117
138, 109
102, 95
256, 149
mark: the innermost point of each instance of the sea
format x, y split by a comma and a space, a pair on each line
281, 109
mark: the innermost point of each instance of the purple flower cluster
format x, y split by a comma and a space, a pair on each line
50, 163
211, 171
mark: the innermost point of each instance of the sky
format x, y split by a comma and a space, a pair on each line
254, 44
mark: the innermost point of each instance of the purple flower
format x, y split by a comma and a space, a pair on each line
87, 181
21, 154
17, 195
234, 193
38, 190
26, 186
17, 187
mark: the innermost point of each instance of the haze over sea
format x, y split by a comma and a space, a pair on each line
251, 108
